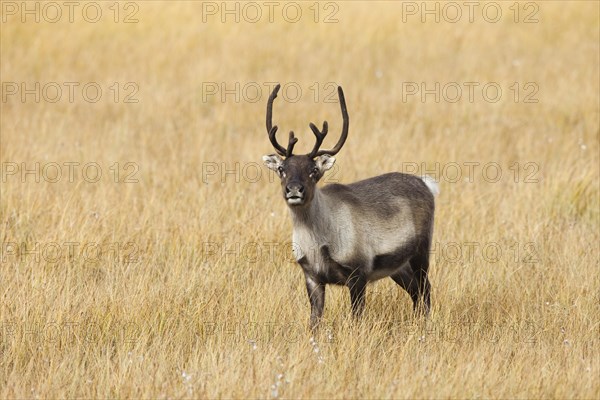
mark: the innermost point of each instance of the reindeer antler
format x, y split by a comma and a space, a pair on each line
272, 130
320, 135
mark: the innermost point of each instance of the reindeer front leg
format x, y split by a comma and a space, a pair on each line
316, 295
357, 284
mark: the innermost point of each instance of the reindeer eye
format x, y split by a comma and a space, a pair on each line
280, 170
314, 171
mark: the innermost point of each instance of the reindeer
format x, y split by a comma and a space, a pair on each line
357, 233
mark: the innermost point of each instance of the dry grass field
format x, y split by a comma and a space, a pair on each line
146, 249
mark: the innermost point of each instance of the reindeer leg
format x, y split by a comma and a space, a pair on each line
407, 280
420, 266
357, 285
316, 295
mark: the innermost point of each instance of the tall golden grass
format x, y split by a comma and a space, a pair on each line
171, 275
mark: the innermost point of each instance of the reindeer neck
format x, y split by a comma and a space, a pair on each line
311, 214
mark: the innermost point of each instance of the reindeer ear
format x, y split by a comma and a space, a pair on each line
324, 162
273, 161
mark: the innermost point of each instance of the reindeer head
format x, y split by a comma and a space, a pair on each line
299, 174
